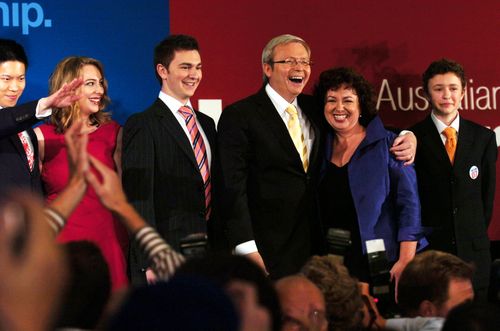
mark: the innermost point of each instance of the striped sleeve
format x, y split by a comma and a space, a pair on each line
55, 220
164, 260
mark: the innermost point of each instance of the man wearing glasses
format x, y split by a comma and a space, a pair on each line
269, 147
270, 152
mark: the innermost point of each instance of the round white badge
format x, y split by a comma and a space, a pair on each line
474, 172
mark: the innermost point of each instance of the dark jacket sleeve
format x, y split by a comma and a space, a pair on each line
17, 119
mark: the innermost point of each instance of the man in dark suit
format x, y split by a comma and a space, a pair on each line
169, 155
269, 149
456, 172
270, 185
18, 144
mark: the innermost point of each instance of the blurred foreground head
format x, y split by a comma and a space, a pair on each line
32, 266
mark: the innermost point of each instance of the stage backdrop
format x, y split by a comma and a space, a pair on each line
391, 42
121, 34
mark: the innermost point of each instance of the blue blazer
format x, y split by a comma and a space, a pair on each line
384, 191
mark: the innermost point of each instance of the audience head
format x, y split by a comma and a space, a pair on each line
286, 63
353, 88
177, 64
33, 271
342, 293
89, 286
473, 316
433, 283
13, 66
94, 92
187, 303
302, 304
224, 269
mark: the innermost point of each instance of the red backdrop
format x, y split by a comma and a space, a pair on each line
391, 42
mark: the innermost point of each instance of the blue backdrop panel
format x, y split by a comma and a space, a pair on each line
121, 34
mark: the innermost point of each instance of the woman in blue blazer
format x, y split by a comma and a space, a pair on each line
364, 189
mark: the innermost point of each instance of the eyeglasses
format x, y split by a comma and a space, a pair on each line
317, 321
292, 62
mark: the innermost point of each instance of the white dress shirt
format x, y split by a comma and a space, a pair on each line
440, 126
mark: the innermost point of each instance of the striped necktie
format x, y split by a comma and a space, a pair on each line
30, 155
200, 154
296, 135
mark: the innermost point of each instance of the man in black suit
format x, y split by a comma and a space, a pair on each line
170, 186
456, 172
18, 144
270, 187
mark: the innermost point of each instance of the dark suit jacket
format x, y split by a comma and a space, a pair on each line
455, 206
269, 198
14, 169
162, 180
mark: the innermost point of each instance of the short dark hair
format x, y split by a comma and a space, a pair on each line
10, 50
165, 50
334, 78
473, 316
427, 277
222, 269
441, 67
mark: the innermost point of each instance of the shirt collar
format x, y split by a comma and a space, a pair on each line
279, 102
441, 126
172, 103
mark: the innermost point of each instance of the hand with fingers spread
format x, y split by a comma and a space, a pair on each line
71, 196
64, 97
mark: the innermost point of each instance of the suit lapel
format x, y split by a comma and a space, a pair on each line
464, 143
208, 129
432, 143
172, 126
274, 123
308, 109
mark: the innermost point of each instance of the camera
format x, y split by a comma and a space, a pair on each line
194, 245
338, 241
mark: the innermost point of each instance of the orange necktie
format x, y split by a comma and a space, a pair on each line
451, 142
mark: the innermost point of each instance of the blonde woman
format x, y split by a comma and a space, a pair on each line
90, 220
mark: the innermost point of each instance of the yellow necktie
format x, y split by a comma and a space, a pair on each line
451, 142
296, 135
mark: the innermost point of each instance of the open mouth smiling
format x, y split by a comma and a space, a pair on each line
296, 79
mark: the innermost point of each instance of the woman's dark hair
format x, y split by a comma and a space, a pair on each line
334, 78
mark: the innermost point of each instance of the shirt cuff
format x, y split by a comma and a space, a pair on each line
403, 132
42, 113
246, 248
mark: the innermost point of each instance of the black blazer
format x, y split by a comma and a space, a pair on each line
162, 180
14, 169
269, 198
455, 206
